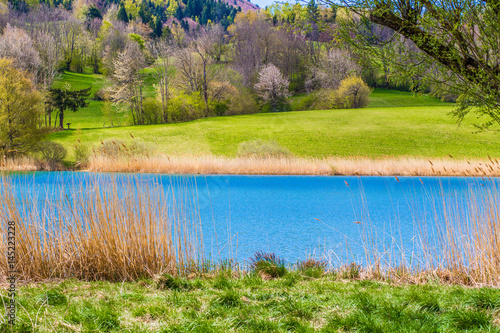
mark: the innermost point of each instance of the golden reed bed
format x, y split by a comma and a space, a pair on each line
404, 166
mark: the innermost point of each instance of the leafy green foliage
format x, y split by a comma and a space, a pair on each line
429, 44
353, 93
51, 152
20, 109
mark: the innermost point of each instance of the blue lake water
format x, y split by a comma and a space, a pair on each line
296, 216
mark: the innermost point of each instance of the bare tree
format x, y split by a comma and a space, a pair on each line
113, 41
71, 32
127, 80
45, 44
197, 67
272, 86
334, 66
162, 51
17, 45
217, 36
254, 44
292, 56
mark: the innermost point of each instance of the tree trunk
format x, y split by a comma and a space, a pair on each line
61, 119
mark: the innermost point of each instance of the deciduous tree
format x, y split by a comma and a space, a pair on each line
20, 111
128, 82
458, 40
272, 87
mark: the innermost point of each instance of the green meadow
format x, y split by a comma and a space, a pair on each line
220, 303
395, 124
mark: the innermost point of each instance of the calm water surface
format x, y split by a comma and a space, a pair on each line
296, 216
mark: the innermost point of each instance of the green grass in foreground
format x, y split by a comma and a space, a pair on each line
249, 304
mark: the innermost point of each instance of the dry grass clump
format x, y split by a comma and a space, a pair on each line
280, 165
109, 229
262, 149
24, 163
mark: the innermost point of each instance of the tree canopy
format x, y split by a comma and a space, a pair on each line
20, 109
457, 43
63, 99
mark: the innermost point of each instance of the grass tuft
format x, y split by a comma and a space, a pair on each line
229, 298
169, 282
312, 268
268, 265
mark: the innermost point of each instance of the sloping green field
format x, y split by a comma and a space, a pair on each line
395, 124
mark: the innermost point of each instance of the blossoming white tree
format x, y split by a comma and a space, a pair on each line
272, 87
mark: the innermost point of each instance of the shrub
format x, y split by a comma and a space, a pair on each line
312, 268
325, 99
185, 107
81, 154
302, 103
259, 148
243, 102
220, 108
353, 92
77, 65
268, 264
51, 152
152, 111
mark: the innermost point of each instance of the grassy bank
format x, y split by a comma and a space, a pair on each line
386, 132
223, 303
395, 124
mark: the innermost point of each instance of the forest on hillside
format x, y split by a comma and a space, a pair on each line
172, 61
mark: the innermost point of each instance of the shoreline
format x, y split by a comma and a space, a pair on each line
329, 166
332, 166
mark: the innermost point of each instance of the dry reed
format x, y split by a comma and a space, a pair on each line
19, 164
459, 244
404, 166
117, 231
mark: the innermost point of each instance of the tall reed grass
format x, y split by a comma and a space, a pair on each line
101, 229
404, 166
457, 242
23, 163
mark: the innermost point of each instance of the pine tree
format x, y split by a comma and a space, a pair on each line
158, 29
313, 10
63, 99
122, 14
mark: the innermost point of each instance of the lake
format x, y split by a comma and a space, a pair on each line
332, 217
